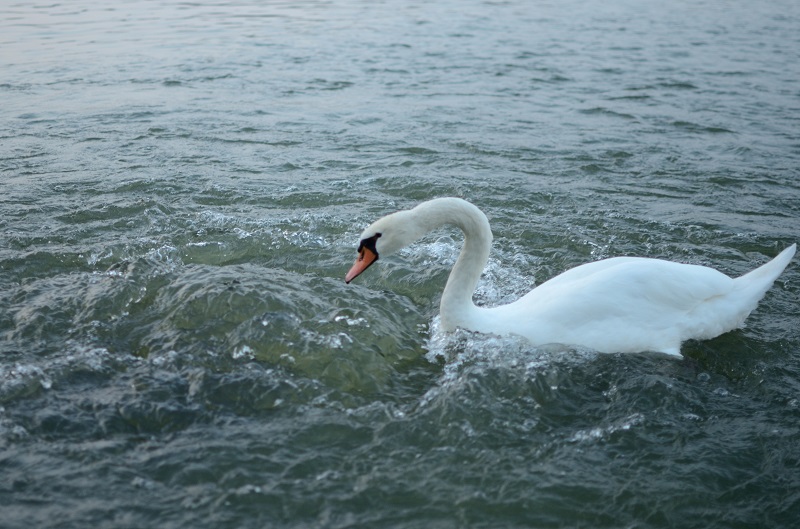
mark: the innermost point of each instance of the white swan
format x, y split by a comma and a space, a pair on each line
622, 304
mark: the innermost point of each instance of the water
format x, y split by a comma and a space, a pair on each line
182, 190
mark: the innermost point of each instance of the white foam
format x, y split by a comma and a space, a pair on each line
602, 433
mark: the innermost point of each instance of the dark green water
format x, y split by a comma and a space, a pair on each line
183, 186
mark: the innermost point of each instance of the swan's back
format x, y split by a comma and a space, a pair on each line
628, 304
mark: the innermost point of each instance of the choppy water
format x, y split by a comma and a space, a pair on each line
182, 189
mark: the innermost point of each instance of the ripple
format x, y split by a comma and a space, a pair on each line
184, 188
694, 127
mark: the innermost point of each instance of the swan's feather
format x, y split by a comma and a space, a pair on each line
622, 304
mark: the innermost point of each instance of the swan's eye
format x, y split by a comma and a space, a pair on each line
369, 244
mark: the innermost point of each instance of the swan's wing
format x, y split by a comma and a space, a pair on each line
621, 305
634, 282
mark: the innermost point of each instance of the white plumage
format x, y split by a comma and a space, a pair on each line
622, 304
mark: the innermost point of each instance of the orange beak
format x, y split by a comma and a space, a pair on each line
365, 258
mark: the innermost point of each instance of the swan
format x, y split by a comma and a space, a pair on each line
621, 304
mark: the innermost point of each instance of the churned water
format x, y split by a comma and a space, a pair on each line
183, 186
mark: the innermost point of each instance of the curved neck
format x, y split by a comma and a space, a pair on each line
456, 305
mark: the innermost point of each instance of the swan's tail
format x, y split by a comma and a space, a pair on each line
721, 314
754, 284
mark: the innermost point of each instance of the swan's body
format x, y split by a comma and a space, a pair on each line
623, 304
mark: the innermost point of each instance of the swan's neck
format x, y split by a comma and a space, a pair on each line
457, 308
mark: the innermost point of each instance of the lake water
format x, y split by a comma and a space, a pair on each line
183, 186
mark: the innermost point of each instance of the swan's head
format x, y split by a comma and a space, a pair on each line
382, 238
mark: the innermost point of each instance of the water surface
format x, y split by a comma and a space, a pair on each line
182, 190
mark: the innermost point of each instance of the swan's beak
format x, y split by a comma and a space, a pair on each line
365, 258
